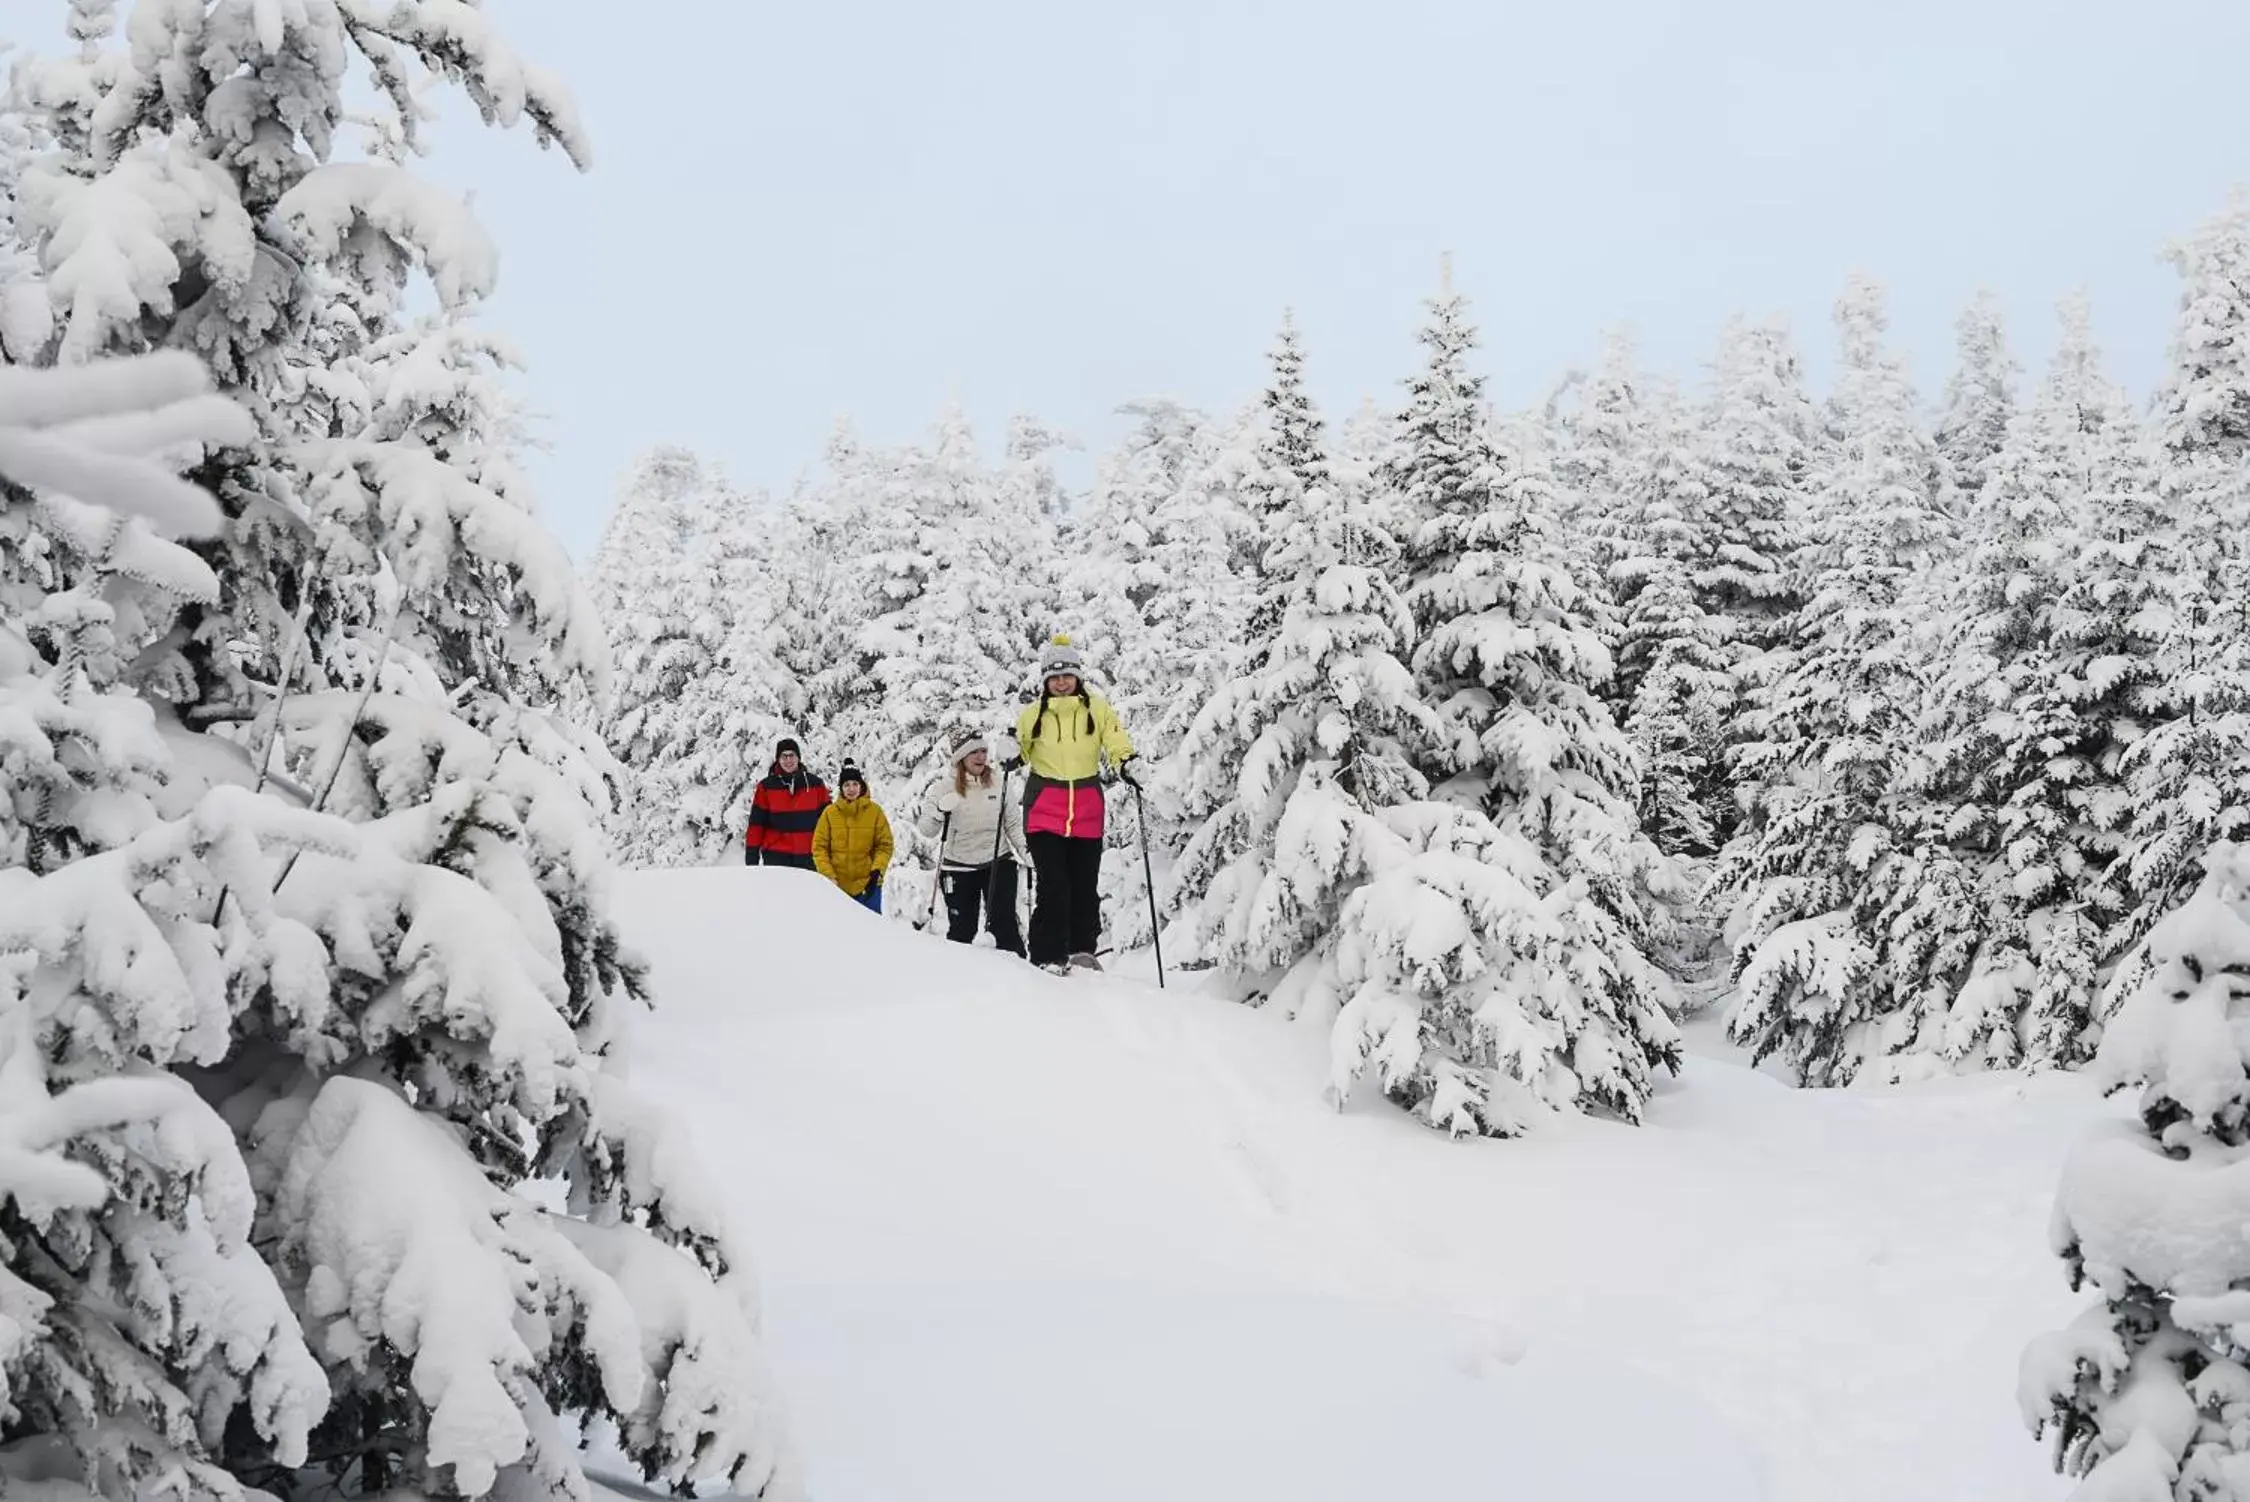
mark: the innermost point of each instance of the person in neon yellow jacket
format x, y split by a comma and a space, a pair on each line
1064, 740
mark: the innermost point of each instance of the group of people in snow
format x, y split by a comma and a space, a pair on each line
1065, 742
793, 822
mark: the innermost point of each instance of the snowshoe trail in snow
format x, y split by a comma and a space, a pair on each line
1241, 1122
1138, 1016
957, 1173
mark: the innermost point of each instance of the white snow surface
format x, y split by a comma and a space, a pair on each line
1025, 1238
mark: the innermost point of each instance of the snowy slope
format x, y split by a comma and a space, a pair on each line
1026, 1238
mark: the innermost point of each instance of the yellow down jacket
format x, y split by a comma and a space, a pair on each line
851, 845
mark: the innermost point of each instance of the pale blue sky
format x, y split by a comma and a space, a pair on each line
806, 211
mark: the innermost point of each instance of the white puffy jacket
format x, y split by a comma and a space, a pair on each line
970, 822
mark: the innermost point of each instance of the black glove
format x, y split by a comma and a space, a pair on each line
875, 880
1128, 773
1012, 764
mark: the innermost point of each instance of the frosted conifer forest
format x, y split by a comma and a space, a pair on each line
1687, 938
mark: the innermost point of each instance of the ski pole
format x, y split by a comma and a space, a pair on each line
1148, 877
992, 870
937, 868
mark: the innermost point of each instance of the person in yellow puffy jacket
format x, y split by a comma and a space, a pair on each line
851, 845
1064, 740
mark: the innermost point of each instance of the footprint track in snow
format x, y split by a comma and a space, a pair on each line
1236, 1120
1135, 1017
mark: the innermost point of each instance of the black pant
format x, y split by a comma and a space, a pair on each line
965, 894
1067, 918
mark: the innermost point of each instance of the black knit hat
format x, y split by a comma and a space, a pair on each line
852, 774
788, 744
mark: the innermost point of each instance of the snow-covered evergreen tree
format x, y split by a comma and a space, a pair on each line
1875, 486
700, 691
1274, 463
1755, 457
1108, 574
1828, 731
669, 611
754, 699
1543, 994
1315, 733
653, 522
2038, 698
27, 320
1980, 400
1021, 547
315, 872
1285, 469
868, 582
2146, 1395
2190, 772
1597, 457
1153, 594
1509, 658
1673, 682
1366, 447
1483, 987
133, 1302
1021, 541
1031, 495
1752, 456
1313, 737
1670, 504
816, 573
968, 599
1441, 452
1197, 603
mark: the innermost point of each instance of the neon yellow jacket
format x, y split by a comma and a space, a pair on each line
1059, 745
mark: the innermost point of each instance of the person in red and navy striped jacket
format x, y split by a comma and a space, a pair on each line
783, 812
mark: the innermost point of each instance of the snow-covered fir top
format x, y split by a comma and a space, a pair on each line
1979, 402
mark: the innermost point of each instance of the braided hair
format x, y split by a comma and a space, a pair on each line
1084, 696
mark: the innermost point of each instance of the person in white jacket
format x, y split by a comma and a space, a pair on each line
983, 845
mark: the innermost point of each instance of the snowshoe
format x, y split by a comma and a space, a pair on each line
1085, 962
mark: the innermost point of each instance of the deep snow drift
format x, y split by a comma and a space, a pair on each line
1024, 1239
